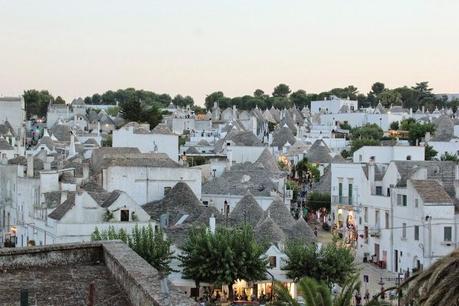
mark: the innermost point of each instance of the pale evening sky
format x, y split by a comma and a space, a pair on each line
77, 48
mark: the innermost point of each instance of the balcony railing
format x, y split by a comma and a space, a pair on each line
340, 200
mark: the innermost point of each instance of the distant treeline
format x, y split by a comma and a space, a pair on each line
282, 97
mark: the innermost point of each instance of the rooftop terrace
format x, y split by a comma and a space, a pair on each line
61, 274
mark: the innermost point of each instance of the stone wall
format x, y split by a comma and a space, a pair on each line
141, 282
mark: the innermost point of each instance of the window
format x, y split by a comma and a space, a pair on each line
360, 157
350, 194
416, 203
166, 190
403, 230
377, 218
272, 261
378, 190
124, 215
404, 200
408, 157
416, 232
399, 199
387, 219
365, 214
206, 203
447, 233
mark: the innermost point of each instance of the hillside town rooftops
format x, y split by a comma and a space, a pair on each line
156, 160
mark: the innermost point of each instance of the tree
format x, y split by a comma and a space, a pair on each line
394, 125
416, 130
59, 100
438, 285
390, 97
331, 263
182, 101
212, 98
258, 93
448, 157
368, 131
316, 293
150, 245
222, 257
345, 126
317, 200
377, 88
281, 90
429, 152
306, 170
112, 111
300, 99
36, 102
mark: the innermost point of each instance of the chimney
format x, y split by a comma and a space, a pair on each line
72, 150
98, 128
229, 156
212, 224
371, 175
85, 171
234, 112
29, 165
411, 112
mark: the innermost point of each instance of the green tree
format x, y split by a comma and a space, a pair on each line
368, 131
281, 90
331, 263
36, 102
222, 257
394, 125
429, 152
416, 130
258, 93
390, 97
300, 99
437, 285
212, 98
59, 100
378, 88
316, 293
113, 111
317, 200
448, 157
306, 170
345, 126
150, 245
182, 101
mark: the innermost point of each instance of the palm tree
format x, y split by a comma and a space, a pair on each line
438, 285
316, 293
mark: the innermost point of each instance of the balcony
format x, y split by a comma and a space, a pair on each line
340, 200
375, 232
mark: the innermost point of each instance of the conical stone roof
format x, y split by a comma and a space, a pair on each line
246, 210
301, 231
279, 212
267, 231
179, 200
267, 161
